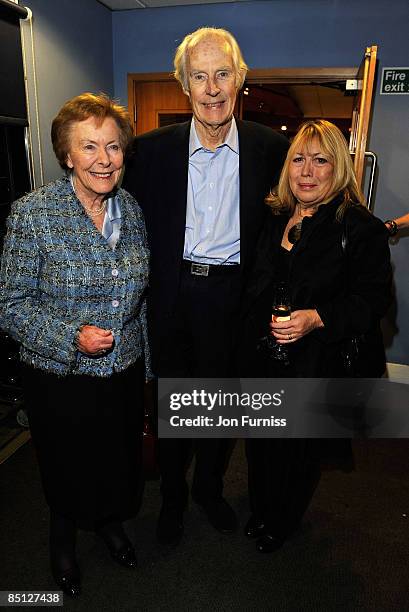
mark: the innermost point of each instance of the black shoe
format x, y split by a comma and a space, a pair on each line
220, 515
118, 544
69, 582
169, 530
268, 543
62, 555
125, 556
255, 527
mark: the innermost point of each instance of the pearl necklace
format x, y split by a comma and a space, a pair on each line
95, 212
92, 212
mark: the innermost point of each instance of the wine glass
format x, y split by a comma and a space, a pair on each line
280, 311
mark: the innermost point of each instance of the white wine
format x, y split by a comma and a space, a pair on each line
281, 312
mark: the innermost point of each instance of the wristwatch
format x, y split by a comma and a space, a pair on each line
391, 227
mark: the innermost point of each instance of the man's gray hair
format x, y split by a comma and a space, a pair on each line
190, 41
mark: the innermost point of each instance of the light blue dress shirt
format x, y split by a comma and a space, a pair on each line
212, 234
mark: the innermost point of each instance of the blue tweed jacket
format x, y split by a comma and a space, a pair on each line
58, 273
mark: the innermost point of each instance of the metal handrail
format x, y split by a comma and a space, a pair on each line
371, 155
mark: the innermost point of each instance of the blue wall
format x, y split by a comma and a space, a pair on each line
73, 54
276, 33
301, 33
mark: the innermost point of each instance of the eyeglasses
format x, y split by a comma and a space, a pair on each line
198, 78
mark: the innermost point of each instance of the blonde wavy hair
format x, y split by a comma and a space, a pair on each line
332, 144
227, 42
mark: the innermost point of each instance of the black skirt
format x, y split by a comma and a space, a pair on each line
87, 432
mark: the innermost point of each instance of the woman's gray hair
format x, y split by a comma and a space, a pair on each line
190, 41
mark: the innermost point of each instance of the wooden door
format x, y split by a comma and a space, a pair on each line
156, 100
362, 111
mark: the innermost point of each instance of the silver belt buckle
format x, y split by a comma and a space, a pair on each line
199, 269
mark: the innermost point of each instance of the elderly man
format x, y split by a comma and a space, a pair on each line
201, 186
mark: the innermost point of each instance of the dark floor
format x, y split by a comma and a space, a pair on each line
350, 554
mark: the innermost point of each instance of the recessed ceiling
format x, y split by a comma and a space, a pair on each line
126, 5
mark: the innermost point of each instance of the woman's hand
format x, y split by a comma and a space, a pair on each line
93, 340
302, 322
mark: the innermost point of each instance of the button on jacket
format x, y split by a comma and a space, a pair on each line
58, 273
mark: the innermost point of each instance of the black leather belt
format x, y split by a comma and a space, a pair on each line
198, 269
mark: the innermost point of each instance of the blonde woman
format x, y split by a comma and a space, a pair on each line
334, 257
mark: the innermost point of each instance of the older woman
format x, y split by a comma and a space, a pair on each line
333, 255
73, 280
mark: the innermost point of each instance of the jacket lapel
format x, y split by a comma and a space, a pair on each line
247, 163
251, 170
175, 190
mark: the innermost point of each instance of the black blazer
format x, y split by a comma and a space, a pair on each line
351, 290
157, 176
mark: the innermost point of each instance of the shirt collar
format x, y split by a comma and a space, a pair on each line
232, 139
113, 208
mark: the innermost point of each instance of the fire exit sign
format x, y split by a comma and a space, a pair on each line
395, 81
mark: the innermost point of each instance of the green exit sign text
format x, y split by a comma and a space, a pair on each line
395, 81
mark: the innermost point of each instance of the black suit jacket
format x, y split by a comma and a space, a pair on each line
157, 176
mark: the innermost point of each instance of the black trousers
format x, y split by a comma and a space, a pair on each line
283, 473
282, 476
199, 344
87, 432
